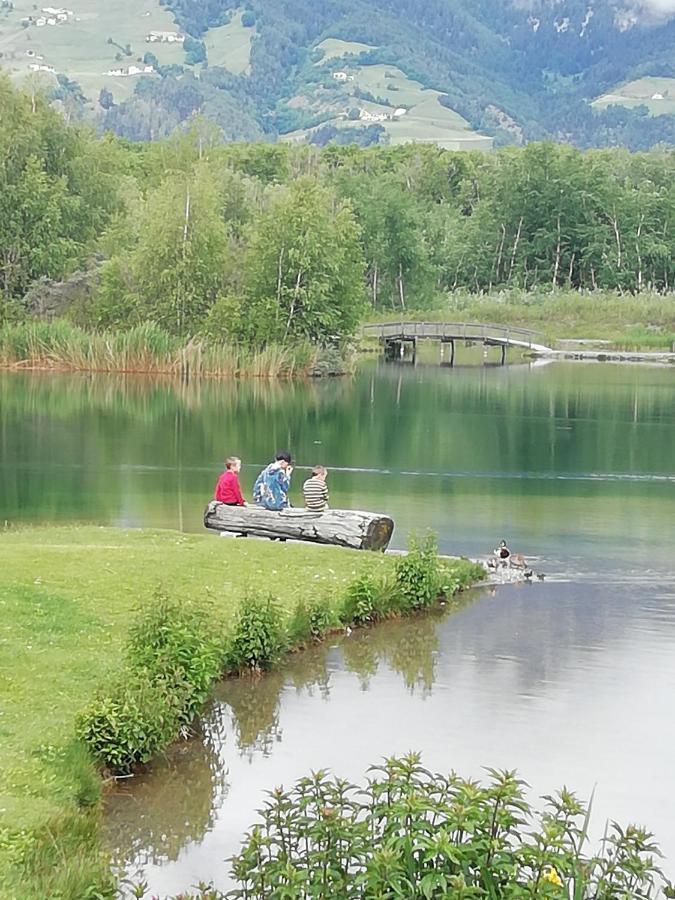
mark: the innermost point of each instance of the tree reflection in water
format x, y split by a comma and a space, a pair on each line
151, 818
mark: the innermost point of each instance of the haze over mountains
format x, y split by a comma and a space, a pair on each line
460, 73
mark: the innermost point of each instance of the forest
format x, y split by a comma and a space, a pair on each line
262, 243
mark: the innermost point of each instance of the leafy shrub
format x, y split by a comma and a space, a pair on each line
258, 636
310, 621
321, 618
413, 833
137, 717
417, 574
363, 600
173, 657
177, 641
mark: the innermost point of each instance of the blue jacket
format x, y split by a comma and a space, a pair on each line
271, 488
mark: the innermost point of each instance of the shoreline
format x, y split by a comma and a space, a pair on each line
68, 594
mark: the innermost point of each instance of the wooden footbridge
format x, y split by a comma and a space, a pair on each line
397, 337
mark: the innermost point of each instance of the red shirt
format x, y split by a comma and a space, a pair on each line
228, 490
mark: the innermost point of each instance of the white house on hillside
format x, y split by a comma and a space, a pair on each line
130, 70
165, 37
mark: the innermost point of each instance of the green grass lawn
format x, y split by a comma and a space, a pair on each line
67, 595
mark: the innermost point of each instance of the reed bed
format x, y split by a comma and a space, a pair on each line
144, 349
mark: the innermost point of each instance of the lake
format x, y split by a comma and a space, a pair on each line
570, 680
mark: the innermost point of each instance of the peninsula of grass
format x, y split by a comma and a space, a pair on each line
625, 321
68, 597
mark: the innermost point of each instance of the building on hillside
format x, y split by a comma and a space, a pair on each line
126, 71
367, 116
342, 76
658, 96
42, 67
165, 37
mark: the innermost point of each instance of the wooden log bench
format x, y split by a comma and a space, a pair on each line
342, 527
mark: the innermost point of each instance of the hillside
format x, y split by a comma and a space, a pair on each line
466, 73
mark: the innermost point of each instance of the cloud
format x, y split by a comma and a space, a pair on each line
653, 9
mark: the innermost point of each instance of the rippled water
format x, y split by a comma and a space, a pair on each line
570, 680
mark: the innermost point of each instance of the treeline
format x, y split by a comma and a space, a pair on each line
270, 243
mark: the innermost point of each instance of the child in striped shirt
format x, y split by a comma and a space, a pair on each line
315, 490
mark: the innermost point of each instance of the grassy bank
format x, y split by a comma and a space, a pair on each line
629, 322
144, 349
68, 596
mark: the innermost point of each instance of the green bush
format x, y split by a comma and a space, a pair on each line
173, 656
135, 718
178, 641
310, 622
416, 834
418, 574
367, 599
258, 636
321, 619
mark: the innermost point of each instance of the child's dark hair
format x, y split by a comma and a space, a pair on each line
285, 455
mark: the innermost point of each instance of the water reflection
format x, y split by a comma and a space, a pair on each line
170, 808
568, 683
166, 813
547, 456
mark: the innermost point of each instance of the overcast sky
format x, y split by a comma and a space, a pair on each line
660, 7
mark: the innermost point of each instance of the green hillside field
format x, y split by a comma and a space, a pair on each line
657, 94
229, 45
79, 47
425, 119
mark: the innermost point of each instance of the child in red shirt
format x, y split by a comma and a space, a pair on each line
228, 490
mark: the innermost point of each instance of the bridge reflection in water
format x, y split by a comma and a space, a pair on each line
399, 337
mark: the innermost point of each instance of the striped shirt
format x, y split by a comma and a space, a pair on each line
315, 491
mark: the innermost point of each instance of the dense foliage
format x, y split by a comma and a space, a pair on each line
174, 653
413, 833
258, 244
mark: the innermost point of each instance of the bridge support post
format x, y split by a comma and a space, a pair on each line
503, 353
444, 344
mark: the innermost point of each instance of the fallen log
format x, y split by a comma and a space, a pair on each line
343, 527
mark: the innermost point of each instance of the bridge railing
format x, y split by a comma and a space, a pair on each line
449, 331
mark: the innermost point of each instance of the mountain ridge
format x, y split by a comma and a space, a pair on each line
513, 71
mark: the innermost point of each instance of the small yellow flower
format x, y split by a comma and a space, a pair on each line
552, 875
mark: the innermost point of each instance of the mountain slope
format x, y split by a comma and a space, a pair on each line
519, 70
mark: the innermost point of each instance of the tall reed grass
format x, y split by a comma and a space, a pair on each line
146, 349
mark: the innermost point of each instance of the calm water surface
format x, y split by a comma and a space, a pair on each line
571, 681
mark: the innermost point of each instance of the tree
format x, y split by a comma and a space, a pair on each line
304, 267
180, 262
106, 99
